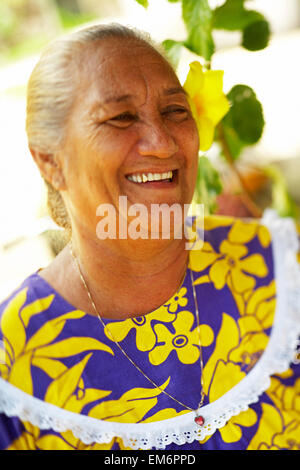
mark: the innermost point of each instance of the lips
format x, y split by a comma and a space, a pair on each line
145, 177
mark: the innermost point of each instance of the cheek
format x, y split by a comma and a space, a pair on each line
108, 151
189, 143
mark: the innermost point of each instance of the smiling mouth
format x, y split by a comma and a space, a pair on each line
142, 178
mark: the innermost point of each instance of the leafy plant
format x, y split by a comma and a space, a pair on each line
243, 124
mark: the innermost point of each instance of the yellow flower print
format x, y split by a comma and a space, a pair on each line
64, 392
200, 260
177, 300
237, 268
40, 349
260, 303
239, 345
276, 431
165, 414
33, 438
215, 221
225, 377
208, 102
184, 341
231, 265
244, 232
27, 440
289, 438
225, 367
287, 399
145, 337
62, 388
257, 313
227, 339
131, 407
232, 431
250, 349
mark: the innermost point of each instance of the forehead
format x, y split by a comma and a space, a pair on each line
124, 66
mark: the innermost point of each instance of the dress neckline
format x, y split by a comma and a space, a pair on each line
106, 320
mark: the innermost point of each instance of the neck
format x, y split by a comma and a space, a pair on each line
144, 275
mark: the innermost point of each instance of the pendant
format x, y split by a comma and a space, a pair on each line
199, 420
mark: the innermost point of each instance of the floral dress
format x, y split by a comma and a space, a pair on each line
65, 384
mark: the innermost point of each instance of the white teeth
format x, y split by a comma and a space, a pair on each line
150, 177
143, 178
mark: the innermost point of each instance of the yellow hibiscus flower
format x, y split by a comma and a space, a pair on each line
184, 341
208, 102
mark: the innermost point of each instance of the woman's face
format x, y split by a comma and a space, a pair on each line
130, 121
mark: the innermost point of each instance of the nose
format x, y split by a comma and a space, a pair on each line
156, 140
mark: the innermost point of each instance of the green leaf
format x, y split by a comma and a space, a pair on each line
245, 115
200, 42
256, 35
197, 17
173, 50
208, 185
144, 3
233, 16
174, 1
195, 12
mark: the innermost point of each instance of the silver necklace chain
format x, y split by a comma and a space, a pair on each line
129, 358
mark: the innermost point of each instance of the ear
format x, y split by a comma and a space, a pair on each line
49, 168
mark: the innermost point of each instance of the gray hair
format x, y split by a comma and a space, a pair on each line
51, 89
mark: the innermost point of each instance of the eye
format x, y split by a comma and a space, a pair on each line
123, 119
176, 113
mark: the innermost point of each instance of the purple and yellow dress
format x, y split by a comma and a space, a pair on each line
66, 385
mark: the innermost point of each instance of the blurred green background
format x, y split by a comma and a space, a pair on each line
26, 26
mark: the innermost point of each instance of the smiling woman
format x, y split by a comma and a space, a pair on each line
131, 342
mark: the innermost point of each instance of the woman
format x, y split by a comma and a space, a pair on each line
135, 342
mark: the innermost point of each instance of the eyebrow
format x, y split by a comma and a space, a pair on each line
119, 99
175, 90
167, 92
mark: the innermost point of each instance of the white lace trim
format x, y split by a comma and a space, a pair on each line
182, 429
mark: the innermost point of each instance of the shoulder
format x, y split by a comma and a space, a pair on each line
27, 301
221, 236
32, 291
